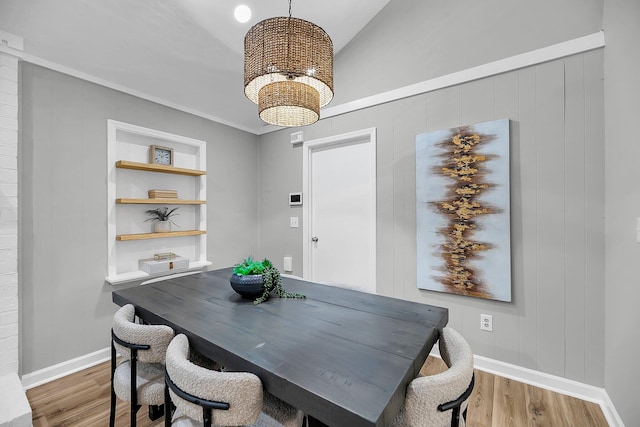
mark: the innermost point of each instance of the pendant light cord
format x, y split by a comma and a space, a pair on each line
288, 74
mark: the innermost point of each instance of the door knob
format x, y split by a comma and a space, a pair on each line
314, 239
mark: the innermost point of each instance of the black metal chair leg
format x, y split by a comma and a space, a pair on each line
112, 413
133, 348
134, 386
133, 416
155, 412
455, 417
167, 407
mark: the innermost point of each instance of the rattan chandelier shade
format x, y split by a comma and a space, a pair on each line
289, 63
289, 104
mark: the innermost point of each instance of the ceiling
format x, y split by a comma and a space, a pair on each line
184, 53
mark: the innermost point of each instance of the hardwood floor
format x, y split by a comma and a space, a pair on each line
82, 399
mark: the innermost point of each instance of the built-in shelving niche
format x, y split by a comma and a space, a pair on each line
130, 176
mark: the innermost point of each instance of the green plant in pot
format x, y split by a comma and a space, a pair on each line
162, 218
257, 279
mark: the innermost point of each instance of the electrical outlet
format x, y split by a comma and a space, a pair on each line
486, 322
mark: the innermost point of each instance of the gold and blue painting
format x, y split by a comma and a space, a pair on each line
462, 210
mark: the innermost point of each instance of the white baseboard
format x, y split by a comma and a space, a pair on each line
524, 375
550, 382
60, 370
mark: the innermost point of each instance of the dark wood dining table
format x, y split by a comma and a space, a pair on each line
343, 357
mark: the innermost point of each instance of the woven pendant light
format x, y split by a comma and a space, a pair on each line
288, 70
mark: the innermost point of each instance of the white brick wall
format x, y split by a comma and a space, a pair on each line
14, 409
8, 214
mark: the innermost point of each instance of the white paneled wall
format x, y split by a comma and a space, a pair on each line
555, 323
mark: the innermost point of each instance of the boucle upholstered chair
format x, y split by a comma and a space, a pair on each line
438, 400
207, 397
139, 378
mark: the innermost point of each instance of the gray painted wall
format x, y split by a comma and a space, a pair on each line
622, 151
557, 190
410, 41
556, 321
66, 307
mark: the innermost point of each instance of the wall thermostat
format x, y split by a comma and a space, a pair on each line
295, 199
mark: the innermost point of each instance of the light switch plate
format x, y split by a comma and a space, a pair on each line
287, 264
293, 222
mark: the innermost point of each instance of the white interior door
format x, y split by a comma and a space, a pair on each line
339, 219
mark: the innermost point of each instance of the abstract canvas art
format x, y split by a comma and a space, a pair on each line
462, 210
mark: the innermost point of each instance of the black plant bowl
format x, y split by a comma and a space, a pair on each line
249, 287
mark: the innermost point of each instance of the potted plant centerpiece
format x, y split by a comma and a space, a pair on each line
162, 218
256, 279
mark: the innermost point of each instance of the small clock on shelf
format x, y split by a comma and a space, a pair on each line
160, 155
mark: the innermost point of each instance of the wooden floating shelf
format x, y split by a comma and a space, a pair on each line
160, 202
143, 236
150, 167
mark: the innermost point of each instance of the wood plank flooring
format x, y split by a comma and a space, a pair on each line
82, 399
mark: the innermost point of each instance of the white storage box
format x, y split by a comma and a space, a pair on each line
151, 266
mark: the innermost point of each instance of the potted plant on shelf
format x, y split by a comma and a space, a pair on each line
162, 218
256, 279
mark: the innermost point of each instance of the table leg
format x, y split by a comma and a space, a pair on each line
315, 423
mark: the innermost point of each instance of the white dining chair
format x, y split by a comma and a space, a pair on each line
204, 397
440, 400
139, 376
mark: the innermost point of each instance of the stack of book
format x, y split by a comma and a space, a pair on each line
163, 194
163, 256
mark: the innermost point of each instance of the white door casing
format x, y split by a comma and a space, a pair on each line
339, 211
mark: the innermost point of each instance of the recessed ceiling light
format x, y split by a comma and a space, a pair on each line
242, 13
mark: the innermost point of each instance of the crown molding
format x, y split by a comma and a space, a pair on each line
106, 83
527, 59
535, 57
11, 44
